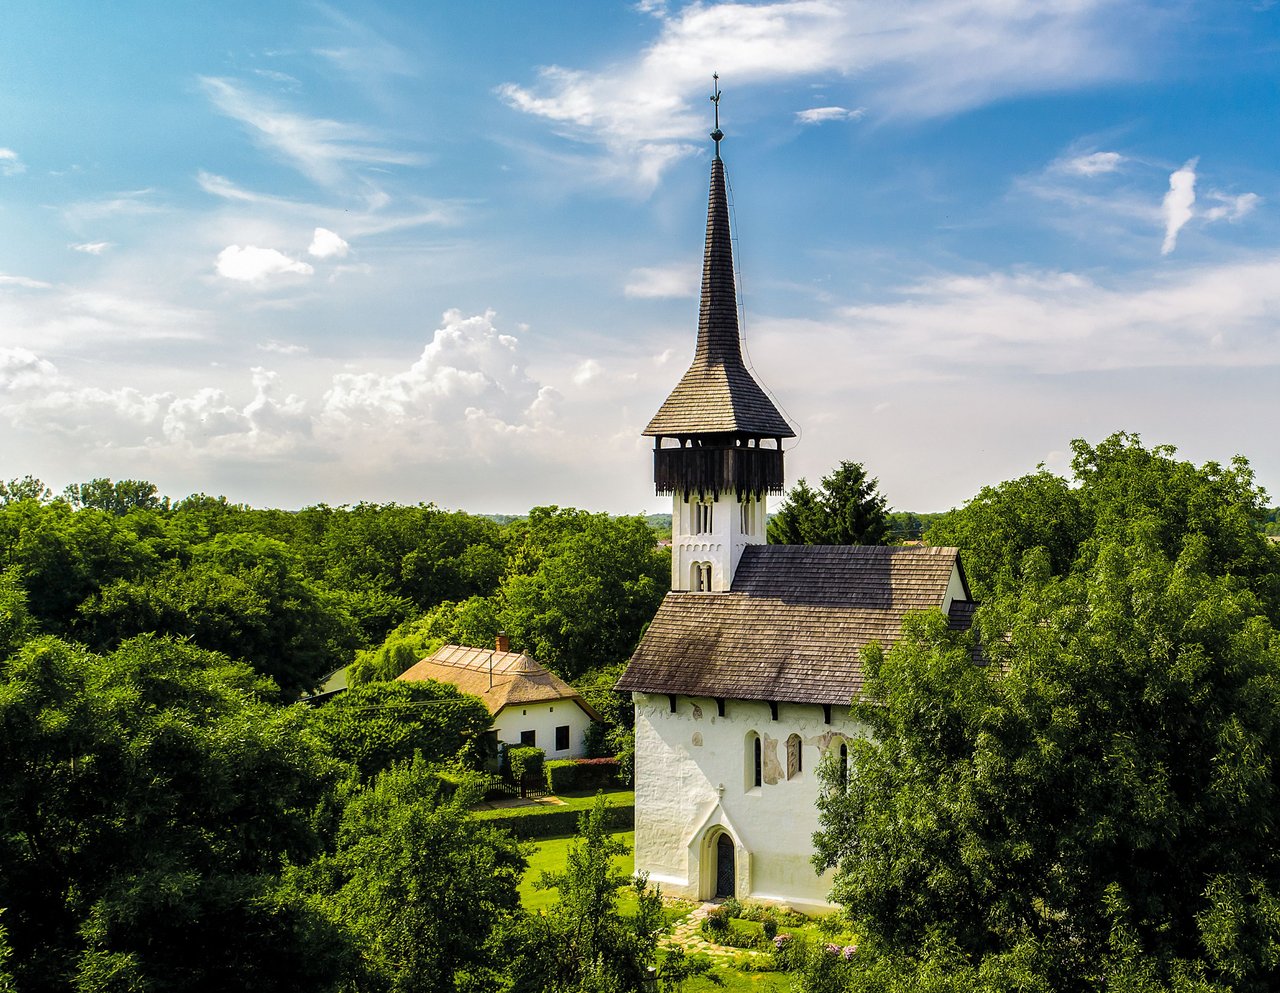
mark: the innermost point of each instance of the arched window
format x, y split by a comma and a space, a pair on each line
793, 756
700, 581
754, 761
844, 765
703, 520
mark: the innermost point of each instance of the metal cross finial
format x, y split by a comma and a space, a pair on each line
717, 134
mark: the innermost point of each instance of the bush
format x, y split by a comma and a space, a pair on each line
744, 934
581, 775
715, 926
527, 823
524, 762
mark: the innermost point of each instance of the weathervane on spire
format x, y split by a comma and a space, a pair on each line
717, 134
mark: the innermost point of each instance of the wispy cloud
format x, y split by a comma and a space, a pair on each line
26, 282
821, 115
679, 280
281, 348
251, 264
131, 203
324, 150
920, 58
1178, 204
1231, 208
10, 163
91, 247
1091, 164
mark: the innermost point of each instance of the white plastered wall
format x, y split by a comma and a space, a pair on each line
693, 781
543, 719
722, 545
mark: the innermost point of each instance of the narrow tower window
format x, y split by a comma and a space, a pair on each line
702, 517
755, 761
701, 577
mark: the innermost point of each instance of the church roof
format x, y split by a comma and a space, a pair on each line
793, 627
718, 393
500, 679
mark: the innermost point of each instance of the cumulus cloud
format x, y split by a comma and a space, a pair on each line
820, 115
10, 162
587, 370
22, 369
920, 58
327, 244
92, 247
1093, 164
680, 280
251, 264
1178, 204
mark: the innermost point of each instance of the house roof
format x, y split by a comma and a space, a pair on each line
500, 679
794, 624
718, 394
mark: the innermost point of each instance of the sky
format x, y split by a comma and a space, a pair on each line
300, 252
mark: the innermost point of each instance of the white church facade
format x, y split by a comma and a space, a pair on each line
742, 682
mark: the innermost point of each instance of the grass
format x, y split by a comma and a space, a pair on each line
548, 855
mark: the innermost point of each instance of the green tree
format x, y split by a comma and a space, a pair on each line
1098, 800
378, 725
150, 803
473, 622
26, 488
584, 943
419, 883
581, 587
847, 510
116, 498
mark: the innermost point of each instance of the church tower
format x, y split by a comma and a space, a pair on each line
718, 437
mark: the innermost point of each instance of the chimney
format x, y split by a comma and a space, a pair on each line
503, 644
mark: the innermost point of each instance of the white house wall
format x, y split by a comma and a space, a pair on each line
693, 782
543, 719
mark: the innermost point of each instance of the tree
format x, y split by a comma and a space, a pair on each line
581, 587
473, 622
418, 883
584, 944
1093, 807
378, 725
151, 802
847, 510
26, 488
116, 498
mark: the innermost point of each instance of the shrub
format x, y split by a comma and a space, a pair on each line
527, 823
525, 763
744, 934
715, 926
581, 775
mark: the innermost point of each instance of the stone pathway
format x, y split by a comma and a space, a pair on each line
688, 935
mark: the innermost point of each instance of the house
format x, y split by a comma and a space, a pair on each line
530, 704
742, 682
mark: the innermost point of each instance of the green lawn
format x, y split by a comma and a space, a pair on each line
548, 855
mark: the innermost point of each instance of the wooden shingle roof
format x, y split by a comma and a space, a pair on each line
500, 679
718, 394
794, 625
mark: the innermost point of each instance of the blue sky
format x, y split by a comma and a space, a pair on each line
299, 252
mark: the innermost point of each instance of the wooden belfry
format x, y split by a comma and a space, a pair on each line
718, 432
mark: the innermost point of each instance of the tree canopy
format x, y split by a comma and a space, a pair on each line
846, 509
1093, 806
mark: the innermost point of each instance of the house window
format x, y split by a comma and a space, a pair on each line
702, 516
794, 759
755, 761
844, 766
562, 738
701, 577
528, 737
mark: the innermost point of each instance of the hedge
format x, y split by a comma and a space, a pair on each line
581, 775
547, 822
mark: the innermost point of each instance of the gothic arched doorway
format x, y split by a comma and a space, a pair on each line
726, 870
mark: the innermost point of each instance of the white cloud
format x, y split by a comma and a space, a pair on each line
281, 348
133, 203
327, 244
680, 280
919, 58
22, 369
1178, 204
820, 115
25, 282
10, 163
92, 247
1231, 208
251, 264
319, 148
587, 370
1092, 164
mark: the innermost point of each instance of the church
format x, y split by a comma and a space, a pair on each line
742, 682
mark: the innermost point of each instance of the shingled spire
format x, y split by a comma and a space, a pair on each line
718, 405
